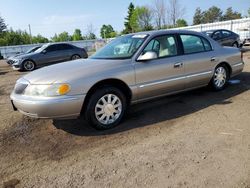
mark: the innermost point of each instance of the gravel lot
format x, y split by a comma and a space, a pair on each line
196, 139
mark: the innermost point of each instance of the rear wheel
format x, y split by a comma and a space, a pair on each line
106, 108
75, 57
220, 77
28, 65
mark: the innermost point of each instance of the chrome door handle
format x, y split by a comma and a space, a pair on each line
213, 59
178, 65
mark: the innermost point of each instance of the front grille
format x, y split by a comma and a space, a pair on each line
19, 88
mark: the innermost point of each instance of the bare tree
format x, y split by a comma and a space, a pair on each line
90, 31
159, 9
176, 11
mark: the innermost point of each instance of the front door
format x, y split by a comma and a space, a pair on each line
162, 75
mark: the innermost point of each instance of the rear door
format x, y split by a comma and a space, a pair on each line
227, 38
199, 59
162, 75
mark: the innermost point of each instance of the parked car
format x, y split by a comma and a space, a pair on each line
10, 59
225, 37
246, 42
47, 55
156, 64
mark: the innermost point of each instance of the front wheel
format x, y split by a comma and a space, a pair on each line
75, 57
28, 65
106, 108
220, 78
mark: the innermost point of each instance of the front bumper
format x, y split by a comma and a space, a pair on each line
66, 107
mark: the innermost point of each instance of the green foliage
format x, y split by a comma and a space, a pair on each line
127, 23
213, 14
141, 19
3, 26
107, 31
90, 36
11, 37
181, 23
231, 15
62, 37
77, 35
198, 16
39, 39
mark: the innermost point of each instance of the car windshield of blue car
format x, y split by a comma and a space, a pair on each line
121, 48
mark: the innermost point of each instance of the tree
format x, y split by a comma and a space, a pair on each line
176, 11
231, 15
159, 10
39, 39
77, 35
62, 37
213, 14
198, 16
3, 26
144, 18
90, 32
107, 31
127, 23
181, 23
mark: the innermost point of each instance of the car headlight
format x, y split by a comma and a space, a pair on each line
47, 90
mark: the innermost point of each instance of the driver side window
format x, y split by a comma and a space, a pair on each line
163, 46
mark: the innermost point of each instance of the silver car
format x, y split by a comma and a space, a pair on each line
47, 55
156, 64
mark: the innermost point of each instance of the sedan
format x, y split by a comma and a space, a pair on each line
225, 37
47, 55
156, 64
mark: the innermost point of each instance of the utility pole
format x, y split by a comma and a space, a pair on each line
30, 34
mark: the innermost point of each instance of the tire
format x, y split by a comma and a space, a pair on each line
236, 45
220, 78
74, 57
104, 104
28, 65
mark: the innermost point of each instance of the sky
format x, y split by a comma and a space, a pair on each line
47, 17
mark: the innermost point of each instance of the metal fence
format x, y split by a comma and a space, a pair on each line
240, 26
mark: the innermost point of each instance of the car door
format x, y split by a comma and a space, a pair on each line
162, 75
227, 38
50, 54
217, 36
65, 52
199, 60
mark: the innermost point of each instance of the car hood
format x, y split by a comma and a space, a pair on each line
73, 70
25, 55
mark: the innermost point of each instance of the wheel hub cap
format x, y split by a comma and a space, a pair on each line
220, 77
108, 109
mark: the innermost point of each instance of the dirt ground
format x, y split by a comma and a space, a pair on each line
195, 139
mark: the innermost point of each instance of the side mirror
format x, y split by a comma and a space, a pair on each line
44, 51
147, 56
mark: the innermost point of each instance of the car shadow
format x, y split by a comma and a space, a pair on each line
163, 109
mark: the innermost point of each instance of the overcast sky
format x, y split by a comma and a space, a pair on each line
48, 17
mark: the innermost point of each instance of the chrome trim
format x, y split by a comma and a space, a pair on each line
238, 64
175, 79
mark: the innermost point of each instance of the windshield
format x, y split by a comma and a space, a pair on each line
42, 48
32, 49
121, 48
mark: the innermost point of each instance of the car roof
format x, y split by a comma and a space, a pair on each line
213, 30
164, 32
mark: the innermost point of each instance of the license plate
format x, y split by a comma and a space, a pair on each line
13, 106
